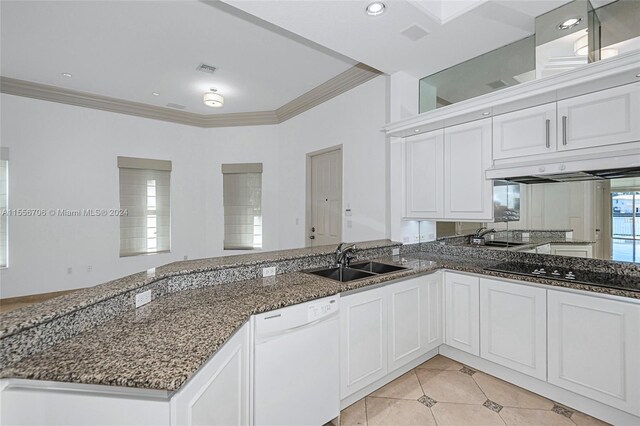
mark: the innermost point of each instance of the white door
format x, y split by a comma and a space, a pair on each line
467, 154
326, 198
415, 318
363, 340
513, 326
526, 132
602, 118
462, 312
424, 174
219, 392
594, 348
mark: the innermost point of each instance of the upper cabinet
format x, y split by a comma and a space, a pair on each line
602, 118
424, 176
444, 173
529, 131
467, 154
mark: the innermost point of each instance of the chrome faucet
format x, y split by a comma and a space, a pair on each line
343, 255
481, 232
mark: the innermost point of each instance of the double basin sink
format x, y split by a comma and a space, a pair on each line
356, 271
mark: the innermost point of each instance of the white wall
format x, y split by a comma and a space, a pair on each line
354, 120
64, 157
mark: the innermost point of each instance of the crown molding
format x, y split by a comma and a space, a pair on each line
339, 84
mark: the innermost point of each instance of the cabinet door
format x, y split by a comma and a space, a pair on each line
572, 250
462, 304
424, 187
467, 154
594, 348
415, 318
526, 132
601, 118
363, 340
219, 392
513, 326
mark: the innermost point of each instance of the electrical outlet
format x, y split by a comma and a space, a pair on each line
186, 257
143, 298
69, 270
405, 239
89, 268
395, 252
269, 272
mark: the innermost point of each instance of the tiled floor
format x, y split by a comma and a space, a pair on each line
444, 392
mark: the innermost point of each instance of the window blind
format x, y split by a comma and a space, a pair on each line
4, 203
242, 193
145, 195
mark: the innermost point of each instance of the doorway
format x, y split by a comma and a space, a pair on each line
324, 197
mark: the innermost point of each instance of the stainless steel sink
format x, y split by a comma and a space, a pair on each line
356, 271
342, 274
377, 268
503, 244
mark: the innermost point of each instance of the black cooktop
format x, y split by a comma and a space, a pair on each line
598, 279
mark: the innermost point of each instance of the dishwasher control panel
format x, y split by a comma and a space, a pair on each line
321, 309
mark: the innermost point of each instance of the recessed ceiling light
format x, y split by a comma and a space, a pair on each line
66, 74
376, 8
569, 23
155, 94
486, 113
213, 99
416, 130
638, 75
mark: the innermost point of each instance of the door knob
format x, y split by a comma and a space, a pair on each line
312, 237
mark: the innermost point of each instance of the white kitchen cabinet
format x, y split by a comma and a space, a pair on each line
594, 348
574, 250
462, 316
467, 154
525, 132
513, 326
218, 394
415, 318
601, 118
424, 176
363, 340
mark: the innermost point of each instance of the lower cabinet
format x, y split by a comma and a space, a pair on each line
385, 328
594, 348
462, 316
415, 318
513, 326
574, 250
219, 393
363, 340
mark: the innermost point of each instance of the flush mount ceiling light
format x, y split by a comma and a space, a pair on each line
376, 8
569, 23
155, 94
213, 99
66, 74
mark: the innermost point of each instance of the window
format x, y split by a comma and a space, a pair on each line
145, 225
625, 225
4, 202
242, 193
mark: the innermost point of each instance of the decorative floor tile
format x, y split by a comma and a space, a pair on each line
493, 406
467, 370
429, 402
563, 411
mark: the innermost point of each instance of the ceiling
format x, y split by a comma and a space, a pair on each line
130, 49
457, 30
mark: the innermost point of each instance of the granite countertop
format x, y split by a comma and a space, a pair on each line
39, 313
162, 344
531, 243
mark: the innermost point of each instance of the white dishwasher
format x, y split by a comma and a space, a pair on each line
296, 365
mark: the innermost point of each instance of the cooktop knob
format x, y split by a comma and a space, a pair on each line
555, 272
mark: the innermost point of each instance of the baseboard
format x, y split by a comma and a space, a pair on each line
358, 395
562, 396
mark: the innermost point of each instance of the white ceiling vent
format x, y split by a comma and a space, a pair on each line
176, 106
414, 32
206, 68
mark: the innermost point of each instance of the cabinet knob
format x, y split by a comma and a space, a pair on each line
562, 167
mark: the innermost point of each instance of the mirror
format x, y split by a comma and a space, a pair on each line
596, 219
